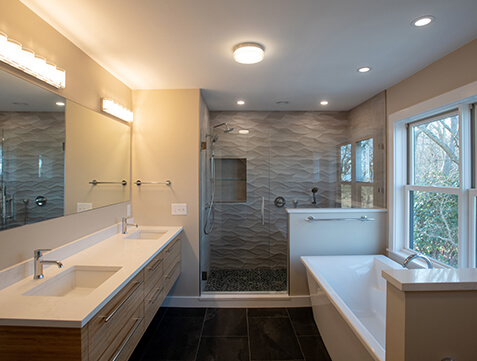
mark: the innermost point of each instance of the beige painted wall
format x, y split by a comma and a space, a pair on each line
448, 73
86, 83
97, 147
166, 145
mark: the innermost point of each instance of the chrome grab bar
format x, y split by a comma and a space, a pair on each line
361, 219
263, 210
107, 318
95, 182
128, 337
139, 182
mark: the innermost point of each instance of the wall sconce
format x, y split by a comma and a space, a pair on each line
111, 107
12, 53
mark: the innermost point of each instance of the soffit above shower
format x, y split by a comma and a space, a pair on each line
312, 48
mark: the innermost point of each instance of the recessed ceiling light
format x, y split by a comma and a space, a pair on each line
243, 131
248, 53
423, 21
324, 102
60, 104
240, 102
364, 69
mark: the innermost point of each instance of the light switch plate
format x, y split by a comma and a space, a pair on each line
179, 209
81, 207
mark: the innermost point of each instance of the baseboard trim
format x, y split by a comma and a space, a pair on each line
235, 300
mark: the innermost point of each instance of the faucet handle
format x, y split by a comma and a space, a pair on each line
39, 252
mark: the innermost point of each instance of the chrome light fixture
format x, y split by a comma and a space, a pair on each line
249, 53
111, 107
12, 53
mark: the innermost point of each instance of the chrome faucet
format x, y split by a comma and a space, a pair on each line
38, 263
409, 259
125, 224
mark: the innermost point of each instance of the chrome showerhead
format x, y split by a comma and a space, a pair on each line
227, 128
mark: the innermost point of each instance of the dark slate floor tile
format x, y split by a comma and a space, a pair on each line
177, 338
223, 349
267, 312
273, 338
303, 321
185, 312
313, 348
225, 322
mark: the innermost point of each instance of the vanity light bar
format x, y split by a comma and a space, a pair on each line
117, 110
12, 53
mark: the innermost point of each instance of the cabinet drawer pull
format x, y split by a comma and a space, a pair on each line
107, 318
158, 292
128, 337
173, 270
153, 268
172, 248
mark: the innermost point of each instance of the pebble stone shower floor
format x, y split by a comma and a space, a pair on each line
246, 280
231, 334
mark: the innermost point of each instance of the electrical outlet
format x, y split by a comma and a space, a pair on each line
179, 209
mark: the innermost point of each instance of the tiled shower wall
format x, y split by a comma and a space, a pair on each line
287, 154
33, 163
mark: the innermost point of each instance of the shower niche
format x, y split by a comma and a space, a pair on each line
231, 180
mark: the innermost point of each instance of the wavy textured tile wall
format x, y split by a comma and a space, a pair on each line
34, 163
288, 153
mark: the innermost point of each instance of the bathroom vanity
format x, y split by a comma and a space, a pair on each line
98, 306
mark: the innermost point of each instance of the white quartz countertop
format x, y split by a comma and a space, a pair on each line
131, 255
463, 279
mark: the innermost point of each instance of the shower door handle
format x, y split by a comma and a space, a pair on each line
263, 210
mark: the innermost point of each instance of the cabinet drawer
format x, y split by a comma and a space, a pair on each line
153, 273
154, 300
112, 323
136, 328
172, 274
171, 252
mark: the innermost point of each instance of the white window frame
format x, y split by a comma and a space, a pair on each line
398, 198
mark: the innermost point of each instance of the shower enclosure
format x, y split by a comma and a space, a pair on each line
268, 162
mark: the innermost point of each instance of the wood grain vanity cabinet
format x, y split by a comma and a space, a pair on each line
115, 330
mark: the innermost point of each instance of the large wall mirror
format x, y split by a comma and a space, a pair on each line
51, 151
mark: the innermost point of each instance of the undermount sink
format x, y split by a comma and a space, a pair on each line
75, 281
145, 234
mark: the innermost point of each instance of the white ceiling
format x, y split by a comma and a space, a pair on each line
312, 47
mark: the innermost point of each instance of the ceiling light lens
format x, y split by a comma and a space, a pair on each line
423, 21
324, 102
364, 69
248, 53
243, 131
240, 102
60, 104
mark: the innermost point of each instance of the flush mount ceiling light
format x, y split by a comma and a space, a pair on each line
240, 102
12, 53
244, 131
60, 104
423, 21
111, 107
364, 69
324, 102
248, 53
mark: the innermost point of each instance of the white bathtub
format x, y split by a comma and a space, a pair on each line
348, 296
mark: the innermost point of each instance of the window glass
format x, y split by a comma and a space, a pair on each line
436, 152
345, 163
364, 161
346, 196
434, 225
367, 196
